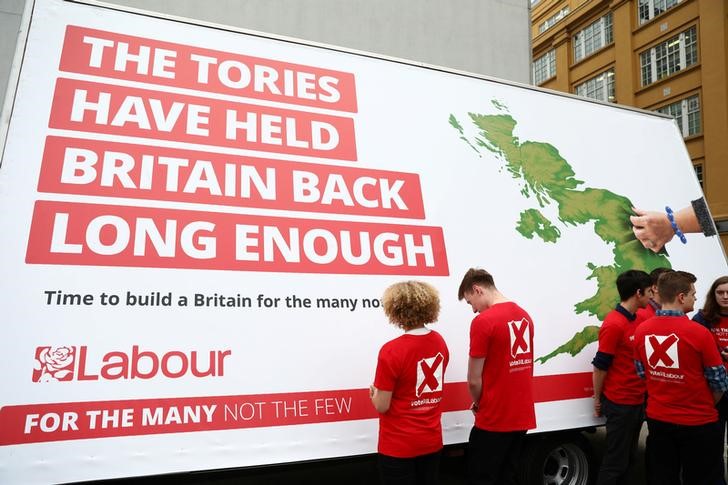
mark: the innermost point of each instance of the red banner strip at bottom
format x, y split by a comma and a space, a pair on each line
35, 423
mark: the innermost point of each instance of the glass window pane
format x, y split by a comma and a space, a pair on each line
599, 87
643, 11
699, 172
544, 67
593, 37
693, 109
649, 9
667, 56
687, 114
551, 21
691, 46
646, 68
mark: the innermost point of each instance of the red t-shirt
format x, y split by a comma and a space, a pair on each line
674, 352
412, 367
622, 385
647, 312
719, 329
720, 332
503, 335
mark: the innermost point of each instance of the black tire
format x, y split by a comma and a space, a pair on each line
557, 459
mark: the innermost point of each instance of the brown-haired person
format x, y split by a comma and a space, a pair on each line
408, 386
714, 314
714, 317
685, 378
500, 380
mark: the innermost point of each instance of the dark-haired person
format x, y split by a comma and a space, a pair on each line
654, 302
500, 380
408, 385
619, 393
685, 378
714, 317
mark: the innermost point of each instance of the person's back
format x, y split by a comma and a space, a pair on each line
674, 351
417, 363
685, 378
408, 387
500, 380
503, 335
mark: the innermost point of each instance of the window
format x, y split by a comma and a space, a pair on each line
551, 21
670, 56
544, 67
699, 172
687, 114
599, 87
649, 9
595, 36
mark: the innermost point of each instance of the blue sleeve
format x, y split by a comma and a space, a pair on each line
700, 318
716, 377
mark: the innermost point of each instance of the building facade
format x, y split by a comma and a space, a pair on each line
489, 37
669, 56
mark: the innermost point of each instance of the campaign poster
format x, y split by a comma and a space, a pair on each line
198, 225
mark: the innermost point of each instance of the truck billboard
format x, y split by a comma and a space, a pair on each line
198, 224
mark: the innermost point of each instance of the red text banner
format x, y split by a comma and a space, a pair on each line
102, 419
112, 55
119, 110
91, 167
108, 235
34, 423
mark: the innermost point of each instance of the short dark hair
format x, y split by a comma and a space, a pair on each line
475, 276
632, 281
673, 283
657, 272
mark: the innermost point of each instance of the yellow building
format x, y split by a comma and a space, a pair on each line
663, 55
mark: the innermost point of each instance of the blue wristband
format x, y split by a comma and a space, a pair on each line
678, 232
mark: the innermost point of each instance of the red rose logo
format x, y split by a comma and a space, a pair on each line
54, 364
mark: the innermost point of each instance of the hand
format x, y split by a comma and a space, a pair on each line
372, 391
597, 407
474, 408
724, 354
652, 229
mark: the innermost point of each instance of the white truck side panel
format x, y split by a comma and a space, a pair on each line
126, 178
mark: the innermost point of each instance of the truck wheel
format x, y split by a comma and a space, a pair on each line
563, 459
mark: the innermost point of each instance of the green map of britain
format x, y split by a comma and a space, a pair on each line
544, 177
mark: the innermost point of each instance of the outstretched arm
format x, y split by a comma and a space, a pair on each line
653, 229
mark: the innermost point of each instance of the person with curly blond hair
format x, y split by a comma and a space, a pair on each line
408, 387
